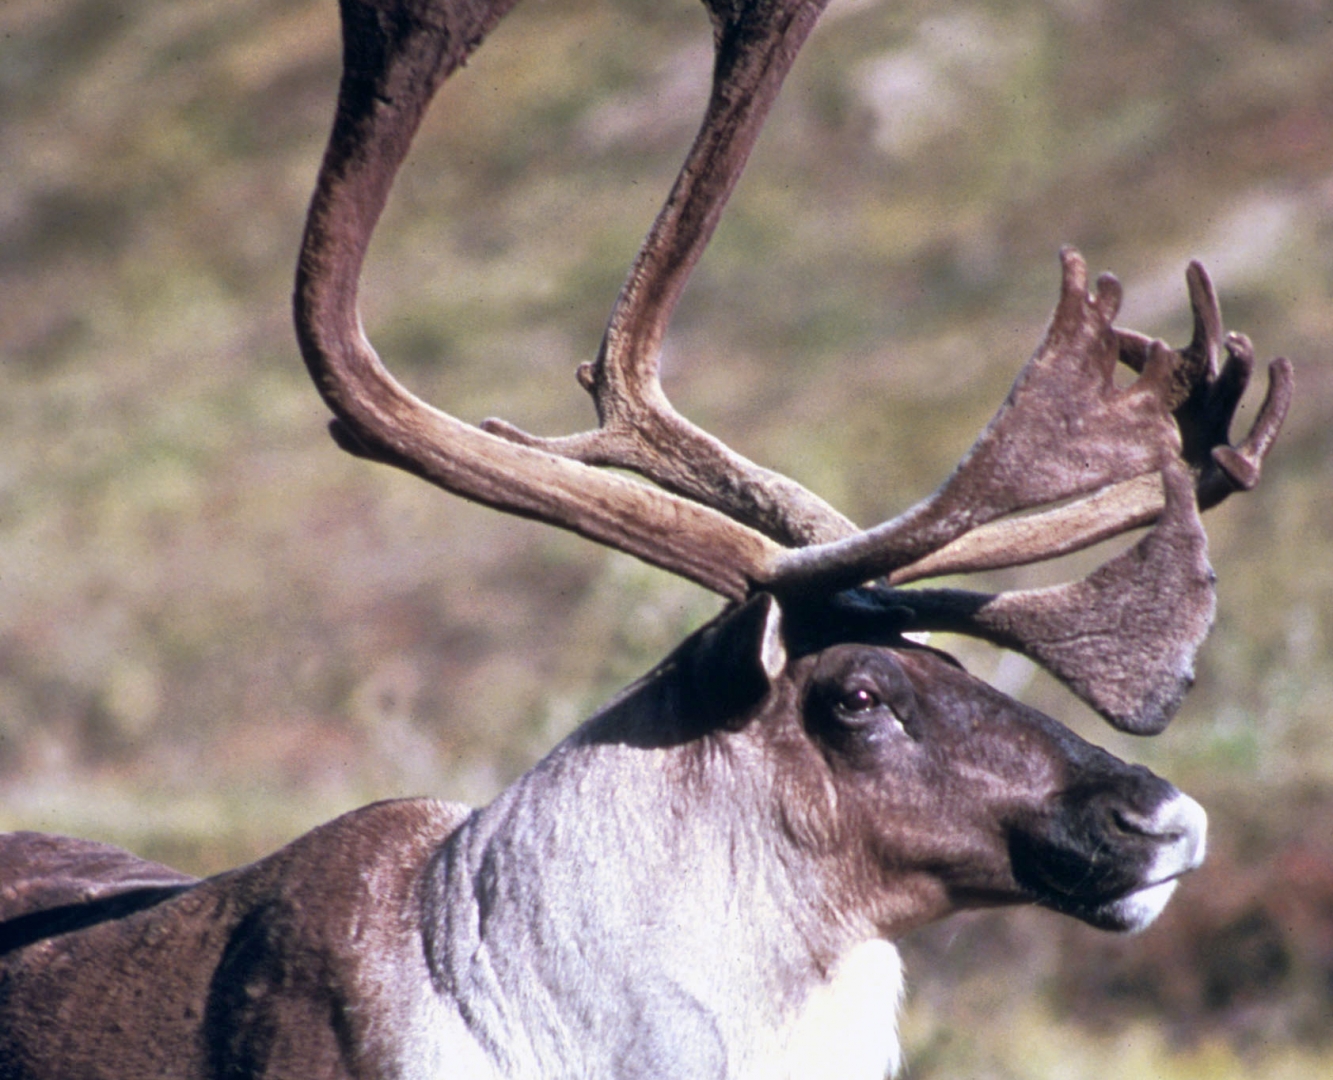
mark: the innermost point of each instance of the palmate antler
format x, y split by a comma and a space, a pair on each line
1124, 638
1154, 451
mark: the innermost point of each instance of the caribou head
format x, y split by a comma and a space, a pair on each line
705, 879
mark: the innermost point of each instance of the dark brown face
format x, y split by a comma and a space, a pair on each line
953, 790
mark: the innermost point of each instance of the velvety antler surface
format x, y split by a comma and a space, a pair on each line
1065, 430
1124, 638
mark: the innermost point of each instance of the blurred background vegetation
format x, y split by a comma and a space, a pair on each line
217, 631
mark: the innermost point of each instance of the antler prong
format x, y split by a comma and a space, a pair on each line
1238, 467
1206, 401
1207, 318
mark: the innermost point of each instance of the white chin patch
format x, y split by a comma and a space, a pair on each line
1137, 911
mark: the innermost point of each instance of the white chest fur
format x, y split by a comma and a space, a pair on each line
848, 1027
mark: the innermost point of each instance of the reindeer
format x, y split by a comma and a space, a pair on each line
707, 877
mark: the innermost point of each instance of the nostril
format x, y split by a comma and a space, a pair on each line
1126, 821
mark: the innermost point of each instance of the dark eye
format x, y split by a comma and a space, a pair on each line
858, 701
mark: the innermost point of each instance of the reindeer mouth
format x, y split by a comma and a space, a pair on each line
1126, 913
1134, 912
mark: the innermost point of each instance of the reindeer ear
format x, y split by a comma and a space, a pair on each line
772, 651
736, 660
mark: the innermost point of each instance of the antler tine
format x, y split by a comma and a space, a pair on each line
756, 44
1208, 400
396, 55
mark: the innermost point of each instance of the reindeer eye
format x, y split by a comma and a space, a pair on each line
858, 701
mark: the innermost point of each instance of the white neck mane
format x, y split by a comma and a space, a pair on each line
696, 968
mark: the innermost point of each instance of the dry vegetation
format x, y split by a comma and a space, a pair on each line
216, 630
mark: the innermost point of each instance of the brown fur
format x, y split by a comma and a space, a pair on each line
275, 985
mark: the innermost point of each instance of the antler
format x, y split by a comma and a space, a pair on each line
1128, 457
1124, 638
396, 55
